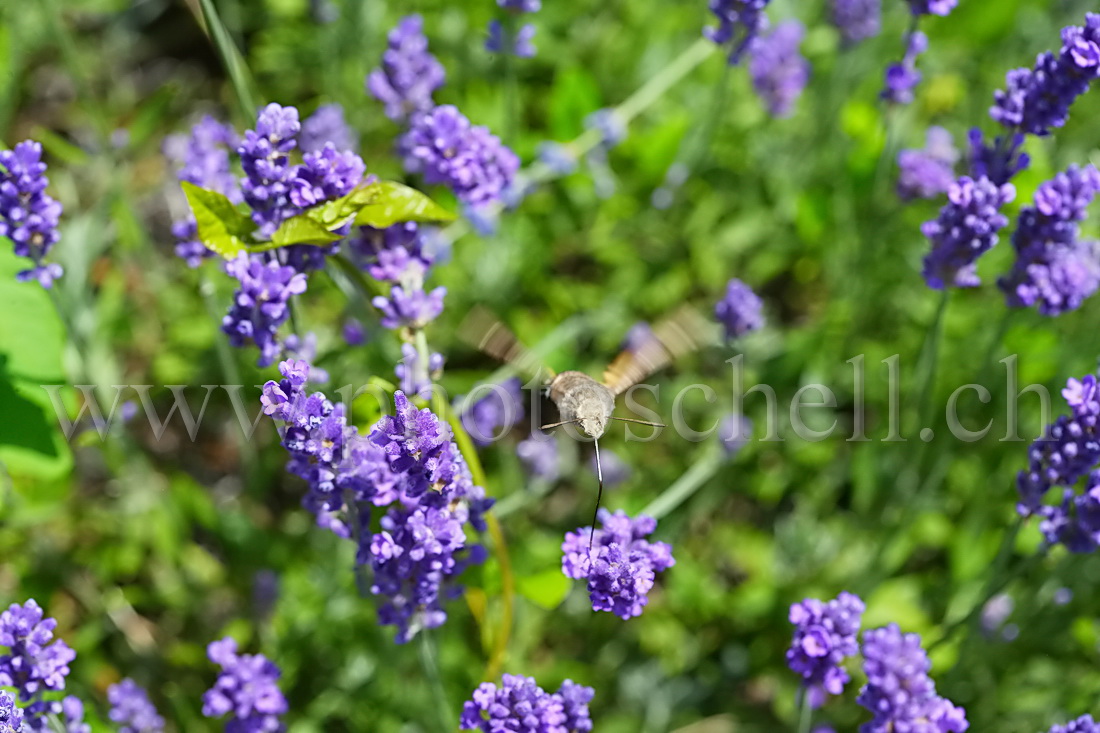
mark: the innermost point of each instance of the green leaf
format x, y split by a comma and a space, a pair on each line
222, 227
301, 229
31, 342
393, 202
546, 589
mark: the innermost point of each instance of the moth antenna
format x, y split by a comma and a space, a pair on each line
557, 424
599, 496
640, 422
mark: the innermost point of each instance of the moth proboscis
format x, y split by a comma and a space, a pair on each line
580, 399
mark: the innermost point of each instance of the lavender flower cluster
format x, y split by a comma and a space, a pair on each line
407, 463
928, 172
1054, 270
440, 142
779, 72
132, 710
28, 215
246, 688
741, 311
35, 663
899, 693
622, 566
1067, 452
499, 410
739, 22
519, 704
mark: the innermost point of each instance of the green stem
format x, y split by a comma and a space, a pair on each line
431, 670
511, 84
805, 712
688, 483
929, 357
231, 59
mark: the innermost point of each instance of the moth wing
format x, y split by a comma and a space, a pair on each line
483, 330
677, 334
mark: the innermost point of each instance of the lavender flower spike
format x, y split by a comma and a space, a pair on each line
260, 305
778, 70
246, 688
932, 7
899, 693
741, 311
326, 125
28, 215
11, 715
409, 74
1054, 270
966, 228
739, 22
268, 173
446, 148
824, 636
35, 663
902, 77
131, 709
928, 172
623, 564
1038, 99
519, 704
856, 20
1084, 724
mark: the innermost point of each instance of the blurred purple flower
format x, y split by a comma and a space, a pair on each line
132, 710
928, 172
739, 22
520, 43
932, 7
902, 77
409, 74
500, 409
540, 457
778, 70
353, 332
856, 20
1084, 724
247, 688
740, 311
615, 469
326, 125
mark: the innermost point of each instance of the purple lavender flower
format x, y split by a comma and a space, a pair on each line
557, 157
966, 228
326, 174
1053, 269
268, 174
409, 73
11, 715
1084, 724
260, 305
521, 6
856, 20
326, 125
998, 162
609, 124
353, 332
539, 456
932, 7
412, 308
733, 432
72, 716
824, 636
1068, 450
1038, 99
246, 688
35, 663
740, 311
623, 564
778, 70
414, 377
447, 149
928, 172
393, 255
739, 22
305, 348
132, 710
519, 704
902, 77
28, 215
899, 693
519, 43
499, 410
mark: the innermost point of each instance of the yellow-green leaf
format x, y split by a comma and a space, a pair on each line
393, 202
221, 226
301, 229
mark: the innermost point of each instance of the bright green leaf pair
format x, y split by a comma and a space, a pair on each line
228, 231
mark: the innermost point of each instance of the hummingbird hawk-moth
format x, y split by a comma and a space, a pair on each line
580, 399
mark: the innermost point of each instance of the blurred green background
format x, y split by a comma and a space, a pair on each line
147, 549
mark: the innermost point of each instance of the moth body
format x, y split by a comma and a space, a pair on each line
582, 399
